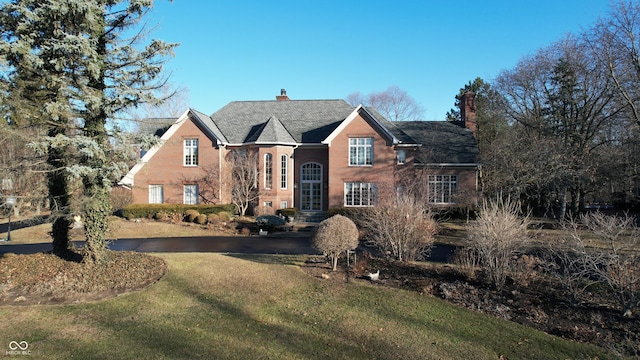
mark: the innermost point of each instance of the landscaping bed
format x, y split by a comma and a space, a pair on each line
539, 303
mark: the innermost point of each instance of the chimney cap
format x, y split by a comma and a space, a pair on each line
283, 92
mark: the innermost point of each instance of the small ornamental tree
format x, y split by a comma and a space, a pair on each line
334, 236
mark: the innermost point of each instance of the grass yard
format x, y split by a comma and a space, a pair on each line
215, 306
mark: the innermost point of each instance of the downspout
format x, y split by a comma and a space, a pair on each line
220, 158
293, 177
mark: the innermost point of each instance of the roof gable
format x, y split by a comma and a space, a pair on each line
369, 117
273, 132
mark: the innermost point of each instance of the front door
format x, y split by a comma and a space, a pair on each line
311, 187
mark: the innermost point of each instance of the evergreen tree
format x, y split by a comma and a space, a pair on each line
70, 68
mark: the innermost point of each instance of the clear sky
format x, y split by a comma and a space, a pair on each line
326, 49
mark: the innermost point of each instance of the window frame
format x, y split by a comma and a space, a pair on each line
442, 188
364, 190
195, 194
401, 157
284, 169
153, 196
190, 152
361, 151
268, 171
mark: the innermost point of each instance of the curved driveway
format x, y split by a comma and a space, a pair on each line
280, 243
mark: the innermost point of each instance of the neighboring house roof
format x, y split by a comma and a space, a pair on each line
443, 142
305, 121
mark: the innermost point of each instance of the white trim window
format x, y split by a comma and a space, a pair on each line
442, 188
284, 204
190, 152
191, 194
360, 151
360, 194
284, 179
156, 194
268, 171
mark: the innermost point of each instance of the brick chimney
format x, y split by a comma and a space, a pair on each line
468, 111
283, 95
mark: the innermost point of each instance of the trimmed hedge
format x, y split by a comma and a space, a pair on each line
137, 211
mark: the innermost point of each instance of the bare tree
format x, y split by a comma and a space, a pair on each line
244, 177
562, 94
394, 104
149, 117
334, 236
615, 40
21, 169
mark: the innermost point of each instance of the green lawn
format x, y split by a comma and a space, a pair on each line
215, 306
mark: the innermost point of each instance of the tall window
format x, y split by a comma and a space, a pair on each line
191, 152
442, 188
191, 194
268, 171
402, 157
359, 194
361, 151
283, 171
156, 194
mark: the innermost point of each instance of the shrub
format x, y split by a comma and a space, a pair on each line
615, 263
191, 215
213, 218
496, 236
335, 235
225, 216
405, 229
201, 219
161, 216
136, 211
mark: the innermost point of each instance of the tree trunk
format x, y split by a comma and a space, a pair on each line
59, 198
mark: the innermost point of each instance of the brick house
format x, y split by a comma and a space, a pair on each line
311, 154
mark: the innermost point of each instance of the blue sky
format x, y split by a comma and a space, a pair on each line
326, 49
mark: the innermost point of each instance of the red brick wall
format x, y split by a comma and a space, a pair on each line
381, 172
167, 168
276, 194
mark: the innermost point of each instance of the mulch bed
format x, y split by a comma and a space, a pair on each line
44, 278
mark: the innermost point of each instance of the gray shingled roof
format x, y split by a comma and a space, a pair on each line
306, 121
312, 121
442, 142
273, 132
206, 120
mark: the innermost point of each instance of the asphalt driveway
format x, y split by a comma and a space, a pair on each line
290, 243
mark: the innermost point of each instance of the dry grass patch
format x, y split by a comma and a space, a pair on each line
212, 306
